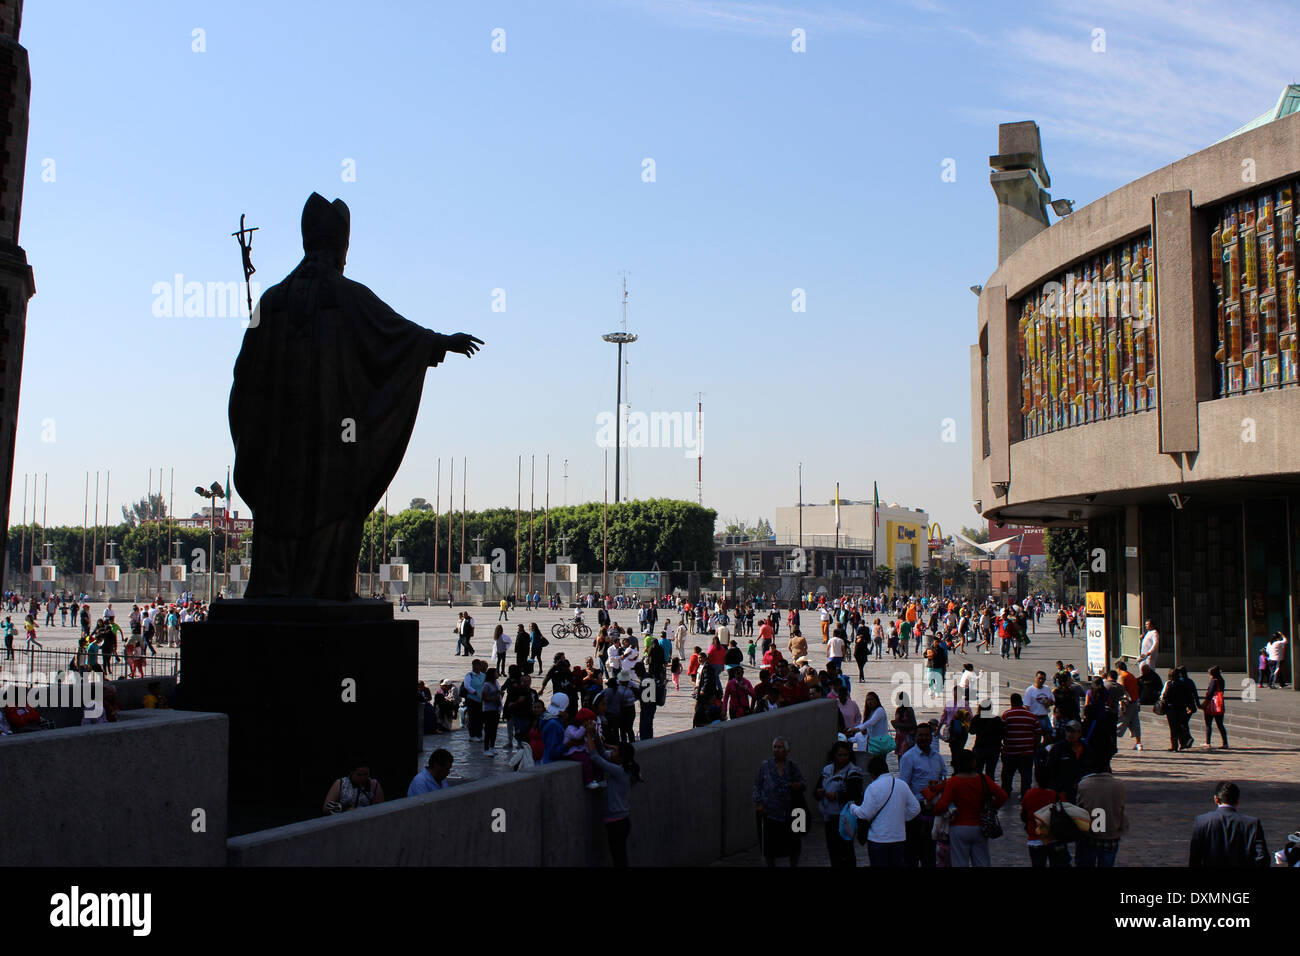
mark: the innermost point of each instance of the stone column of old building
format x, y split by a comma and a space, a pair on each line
16, 282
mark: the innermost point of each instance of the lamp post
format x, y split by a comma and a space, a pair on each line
212, 493
620, 339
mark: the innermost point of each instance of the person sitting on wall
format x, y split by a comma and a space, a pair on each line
153, 699
434, 776
357, 789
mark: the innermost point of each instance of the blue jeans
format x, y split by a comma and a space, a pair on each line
1091, 856
969, 847
885, 854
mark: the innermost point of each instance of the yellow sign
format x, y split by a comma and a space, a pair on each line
1095, 605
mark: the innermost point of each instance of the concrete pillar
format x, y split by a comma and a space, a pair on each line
1183, 320
1004, 382
1132, 569
17, 284
1020, 180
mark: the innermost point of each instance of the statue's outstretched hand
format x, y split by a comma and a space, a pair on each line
462, 343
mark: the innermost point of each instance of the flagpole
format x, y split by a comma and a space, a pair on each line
171, 510
225, 548
437, 503
837, 535
22, 538
519, 491
451, 507
875, 528
546, 516
532, 496
85, 520
464, 506
94, 537
604, 547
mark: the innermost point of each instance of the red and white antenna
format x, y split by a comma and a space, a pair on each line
699, 450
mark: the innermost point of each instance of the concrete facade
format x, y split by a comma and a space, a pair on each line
64, 792
902, 531
1192, 445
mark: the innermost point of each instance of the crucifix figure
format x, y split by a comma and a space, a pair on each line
246, 251
478, 546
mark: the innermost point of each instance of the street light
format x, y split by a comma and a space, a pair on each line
212, 493
620, 339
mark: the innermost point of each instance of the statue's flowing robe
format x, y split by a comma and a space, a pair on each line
327, 387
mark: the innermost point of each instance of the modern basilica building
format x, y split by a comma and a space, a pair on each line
1137, 373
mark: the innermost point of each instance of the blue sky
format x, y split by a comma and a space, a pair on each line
522, 171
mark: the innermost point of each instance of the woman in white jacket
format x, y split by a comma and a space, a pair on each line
886, 807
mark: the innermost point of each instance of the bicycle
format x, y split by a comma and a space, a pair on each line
564, 628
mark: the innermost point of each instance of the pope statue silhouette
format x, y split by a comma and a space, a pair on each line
327, 387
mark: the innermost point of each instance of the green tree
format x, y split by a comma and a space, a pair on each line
979, 536
884, 576
1064, 545
150, 508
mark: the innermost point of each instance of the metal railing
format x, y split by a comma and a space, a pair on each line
49, 665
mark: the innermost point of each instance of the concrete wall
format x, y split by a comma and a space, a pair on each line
120, 794
695, 805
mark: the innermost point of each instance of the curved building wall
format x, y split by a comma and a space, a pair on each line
1179, 452
1192, 437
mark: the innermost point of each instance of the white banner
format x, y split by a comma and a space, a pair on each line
1096, 645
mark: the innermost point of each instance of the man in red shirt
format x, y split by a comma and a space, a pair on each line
1019, 742
1043, 849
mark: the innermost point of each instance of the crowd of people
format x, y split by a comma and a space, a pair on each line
955, 774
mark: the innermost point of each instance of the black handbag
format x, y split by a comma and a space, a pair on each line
990, 825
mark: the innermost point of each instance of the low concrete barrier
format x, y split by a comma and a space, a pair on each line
119, 794
695, 806
749, 742
483, 823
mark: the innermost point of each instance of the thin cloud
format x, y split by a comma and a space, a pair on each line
758, 18
1173, 78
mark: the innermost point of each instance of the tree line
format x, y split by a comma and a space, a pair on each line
642, 534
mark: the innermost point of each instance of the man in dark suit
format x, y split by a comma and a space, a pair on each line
1224, 837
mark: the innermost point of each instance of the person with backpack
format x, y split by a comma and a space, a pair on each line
883, 813
841, 785
536, 645
1045, 847
1176, 706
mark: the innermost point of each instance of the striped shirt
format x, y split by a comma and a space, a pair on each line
1021, 732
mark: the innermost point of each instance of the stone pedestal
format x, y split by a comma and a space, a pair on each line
311, 688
